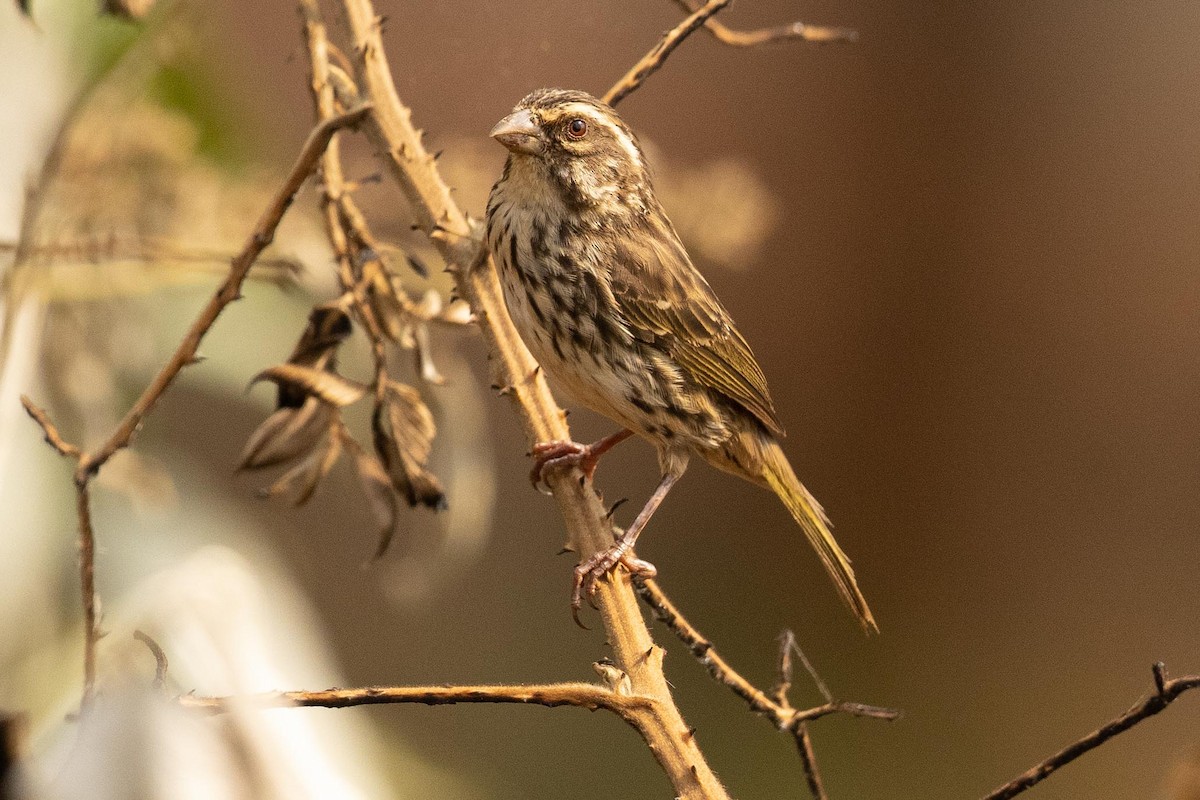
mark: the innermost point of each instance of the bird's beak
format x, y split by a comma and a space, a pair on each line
519, 133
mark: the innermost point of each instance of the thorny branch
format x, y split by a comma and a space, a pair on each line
457, 239
1166, 691
631, 708
88, 463
775, 705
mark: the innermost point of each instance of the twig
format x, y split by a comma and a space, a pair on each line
650, 63
458, 241
774, 706
632, 708
87, 590
783, 716
49, 432
808, 760
160, 658
90, 462
808, 756
1165, 692
753, 38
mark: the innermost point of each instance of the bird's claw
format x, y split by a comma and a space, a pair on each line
599, 566
559, 454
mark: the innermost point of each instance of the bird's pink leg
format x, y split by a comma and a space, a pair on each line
603, 562
563, 455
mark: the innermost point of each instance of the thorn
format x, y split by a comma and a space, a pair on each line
613, 508
1160, 677
438, 154
689, 734
566, 548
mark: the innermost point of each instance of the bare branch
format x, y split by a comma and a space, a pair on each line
650, 63
783, 683
634, 709
752, 38
51, 434
1165, 692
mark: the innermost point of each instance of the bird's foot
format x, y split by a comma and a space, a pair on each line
560, 454
600, 565
556, 455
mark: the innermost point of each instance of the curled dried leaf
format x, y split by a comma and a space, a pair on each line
302, 380
286, 434
404, 431
305, 475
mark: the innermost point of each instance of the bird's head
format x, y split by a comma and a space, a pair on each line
579, 139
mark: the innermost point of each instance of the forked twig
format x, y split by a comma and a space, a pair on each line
775, 706
793, 30
652, 61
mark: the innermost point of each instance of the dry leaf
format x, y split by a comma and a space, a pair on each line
328, 386
286, 434
311, 469
404, 432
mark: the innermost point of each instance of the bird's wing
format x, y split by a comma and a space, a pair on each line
665, 300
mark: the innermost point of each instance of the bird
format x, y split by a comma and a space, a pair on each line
605, 297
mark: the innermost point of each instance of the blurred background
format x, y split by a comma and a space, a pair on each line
964, 250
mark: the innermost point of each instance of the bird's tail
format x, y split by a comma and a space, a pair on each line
811, 518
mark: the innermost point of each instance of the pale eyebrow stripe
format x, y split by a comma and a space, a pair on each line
592, 114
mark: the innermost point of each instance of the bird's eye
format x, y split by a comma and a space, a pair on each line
576, 128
